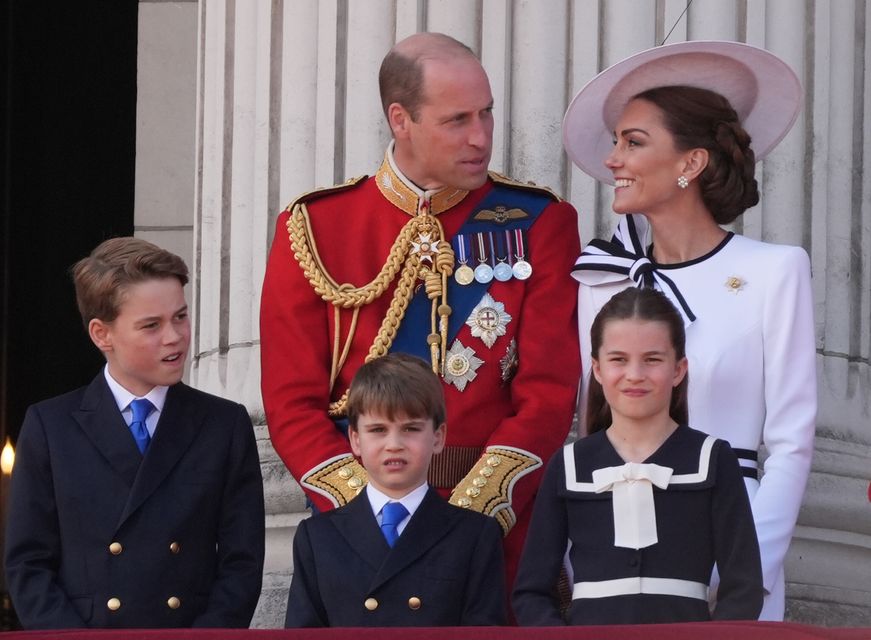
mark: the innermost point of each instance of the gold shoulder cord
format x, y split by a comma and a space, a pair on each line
406, 259
529, 186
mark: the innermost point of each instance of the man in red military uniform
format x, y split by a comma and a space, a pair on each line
437, 257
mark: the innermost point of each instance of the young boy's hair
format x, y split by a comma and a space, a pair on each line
396, 385
648, 305
102, 279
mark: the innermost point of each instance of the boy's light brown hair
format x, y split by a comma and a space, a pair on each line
102, 279
396, 385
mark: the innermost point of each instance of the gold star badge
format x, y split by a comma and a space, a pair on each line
734, 284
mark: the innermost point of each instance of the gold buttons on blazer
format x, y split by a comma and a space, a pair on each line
114, 604
371, 604
173, 603
414, 603
115, 548
174, 547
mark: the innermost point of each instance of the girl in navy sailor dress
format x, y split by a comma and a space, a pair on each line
645, 504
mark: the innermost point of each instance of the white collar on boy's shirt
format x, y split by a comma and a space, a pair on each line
123, 398
411, 501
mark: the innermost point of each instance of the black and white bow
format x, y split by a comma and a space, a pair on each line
625, 257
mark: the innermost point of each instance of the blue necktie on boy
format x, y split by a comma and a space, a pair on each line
141, 407
391, 515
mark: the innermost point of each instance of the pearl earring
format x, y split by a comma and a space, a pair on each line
682, 182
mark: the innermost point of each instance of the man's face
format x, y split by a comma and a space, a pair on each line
449, 143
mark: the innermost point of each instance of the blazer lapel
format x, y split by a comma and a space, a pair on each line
431, 521
357, 524
104, 426
180, 421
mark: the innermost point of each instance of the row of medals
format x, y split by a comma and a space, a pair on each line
486, 270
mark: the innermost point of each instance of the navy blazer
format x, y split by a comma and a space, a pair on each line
100, 536
446, 569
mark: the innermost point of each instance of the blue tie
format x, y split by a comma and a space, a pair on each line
391, 515
141, 408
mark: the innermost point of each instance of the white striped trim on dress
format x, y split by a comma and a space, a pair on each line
701, 475
638, 585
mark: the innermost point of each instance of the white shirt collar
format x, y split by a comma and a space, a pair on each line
123, 398
411, 500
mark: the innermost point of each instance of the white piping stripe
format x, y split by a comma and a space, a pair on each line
704, 462
701, 475
639, 585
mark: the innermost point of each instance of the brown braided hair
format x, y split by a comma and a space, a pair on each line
699, 118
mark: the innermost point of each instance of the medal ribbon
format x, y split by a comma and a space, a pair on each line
460, 246
492, 250
518, 237
482, 250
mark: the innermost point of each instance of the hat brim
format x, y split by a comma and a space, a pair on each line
762, 88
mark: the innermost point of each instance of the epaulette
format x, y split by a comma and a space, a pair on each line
528, 186
314, 194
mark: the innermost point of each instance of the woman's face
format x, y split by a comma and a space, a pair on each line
644, 161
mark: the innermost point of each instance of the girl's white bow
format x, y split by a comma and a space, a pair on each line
634, 510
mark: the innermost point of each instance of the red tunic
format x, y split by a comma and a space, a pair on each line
354, 229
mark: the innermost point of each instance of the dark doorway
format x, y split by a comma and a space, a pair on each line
67, 153
69, 149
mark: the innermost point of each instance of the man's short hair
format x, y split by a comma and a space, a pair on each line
396, 385
102, 279
400, 78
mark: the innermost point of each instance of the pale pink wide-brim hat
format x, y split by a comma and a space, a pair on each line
762, 88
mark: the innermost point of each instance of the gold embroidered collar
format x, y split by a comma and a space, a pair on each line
407, 196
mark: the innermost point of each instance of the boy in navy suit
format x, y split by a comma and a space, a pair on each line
398, 554
136, 501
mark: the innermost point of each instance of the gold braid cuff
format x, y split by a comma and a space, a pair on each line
487, 487
339, 479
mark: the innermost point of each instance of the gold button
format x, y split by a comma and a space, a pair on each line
114, 604
345, 473
414, 603
115, 548
464, 502
173, 603
174, 547
473, 492
479, 481
371, 604
493, 461
355, 483
486, 471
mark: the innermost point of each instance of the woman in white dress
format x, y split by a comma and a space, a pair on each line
677, 130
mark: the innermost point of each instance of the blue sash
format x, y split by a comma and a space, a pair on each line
417, 324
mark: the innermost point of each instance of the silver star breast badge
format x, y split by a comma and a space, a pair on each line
461, 365
488, 320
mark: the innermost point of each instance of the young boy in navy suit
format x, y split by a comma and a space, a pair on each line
136, 501
398, 554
